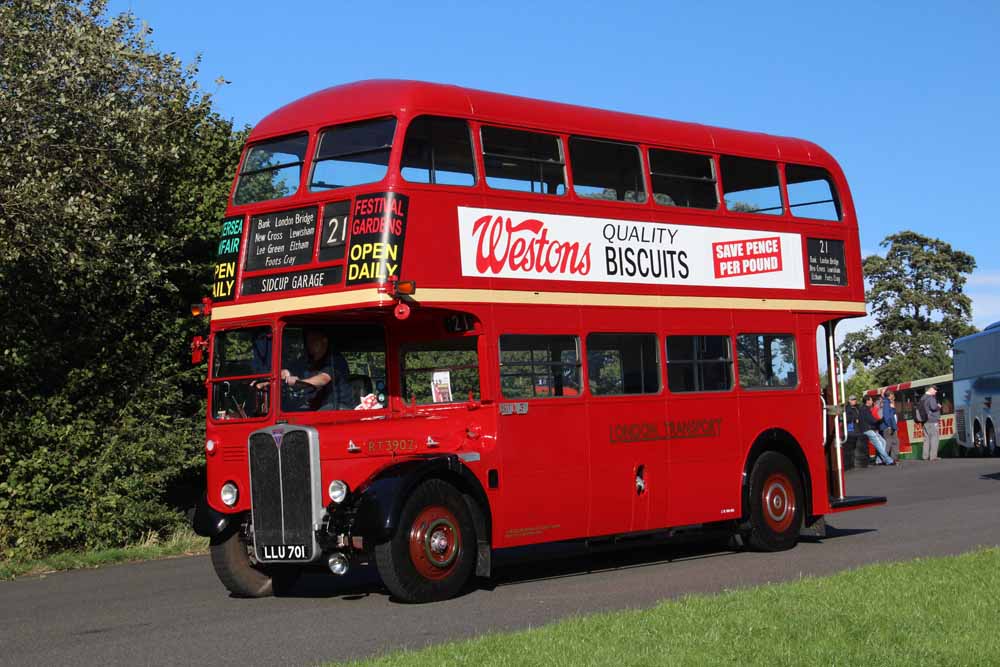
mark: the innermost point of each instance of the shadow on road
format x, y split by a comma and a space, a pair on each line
995, 475
544, 562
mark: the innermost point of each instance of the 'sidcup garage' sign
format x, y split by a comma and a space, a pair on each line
518, 244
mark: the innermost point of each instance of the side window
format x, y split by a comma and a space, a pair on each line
442, 371
699, 363
622, 364
271, 170
353, 356
606, 170
751, 186
766, 361
438, 150
524, 161
352, 154
539, 366
811, 193
682, 179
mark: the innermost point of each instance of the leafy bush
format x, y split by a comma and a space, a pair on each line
113, 177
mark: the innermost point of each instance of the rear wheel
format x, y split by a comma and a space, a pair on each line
241, 574
776, 503
991, 441
432, 553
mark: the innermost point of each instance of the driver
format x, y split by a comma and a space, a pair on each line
323, 373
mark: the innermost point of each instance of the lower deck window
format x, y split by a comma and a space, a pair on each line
443, 371
622, 363
699, 363
539, 366
766, 361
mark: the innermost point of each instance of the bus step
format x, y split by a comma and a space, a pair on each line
854, 502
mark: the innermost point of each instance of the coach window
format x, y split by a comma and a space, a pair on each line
438, 150
442, 371
606, 170
682, 179
699, 363
539, 366
751, 186
766, 361
271, 170
622, 363
353, 154
811, 193
524, 161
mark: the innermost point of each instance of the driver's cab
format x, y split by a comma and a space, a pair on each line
336, 366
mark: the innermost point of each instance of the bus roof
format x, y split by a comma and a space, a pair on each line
371, 98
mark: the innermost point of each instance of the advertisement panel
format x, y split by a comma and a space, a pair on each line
541, 246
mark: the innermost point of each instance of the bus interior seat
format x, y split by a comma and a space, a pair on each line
361, 386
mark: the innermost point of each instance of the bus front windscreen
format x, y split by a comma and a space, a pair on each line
241, 365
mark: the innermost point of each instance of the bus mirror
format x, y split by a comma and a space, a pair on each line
198, 347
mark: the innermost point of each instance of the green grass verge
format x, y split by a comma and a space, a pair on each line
181, 543
940, 611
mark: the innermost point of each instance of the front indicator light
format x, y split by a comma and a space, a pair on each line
229, 494
337, 491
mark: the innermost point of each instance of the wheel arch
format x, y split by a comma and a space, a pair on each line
379, 502
780, 441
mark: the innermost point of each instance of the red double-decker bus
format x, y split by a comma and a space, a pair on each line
446, 322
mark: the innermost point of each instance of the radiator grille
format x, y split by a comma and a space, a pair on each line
281, 490
960, 424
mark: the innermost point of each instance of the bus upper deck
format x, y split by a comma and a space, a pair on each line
353, 186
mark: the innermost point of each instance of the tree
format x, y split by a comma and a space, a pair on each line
917, 299
113, 178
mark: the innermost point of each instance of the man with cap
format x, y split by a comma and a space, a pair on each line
932, 415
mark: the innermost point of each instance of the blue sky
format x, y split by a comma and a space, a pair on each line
906, 96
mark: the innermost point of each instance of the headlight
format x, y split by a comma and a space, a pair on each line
229, 494
210, 447
337, 491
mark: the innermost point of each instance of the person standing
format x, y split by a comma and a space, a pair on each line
853, 414
932, 415
889, 424
869, 425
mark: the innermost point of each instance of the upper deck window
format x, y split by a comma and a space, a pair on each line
751, 186
438, 150
353, 154
525, 161
682, 179
811, 193
606, 170
271, 170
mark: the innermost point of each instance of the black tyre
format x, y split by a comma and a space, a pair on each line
241, 575
433, 552
991, 441
776, 503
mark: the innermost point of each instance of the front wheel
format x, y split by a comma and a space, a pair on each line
240, 574
991, 442
431, 555
776, 504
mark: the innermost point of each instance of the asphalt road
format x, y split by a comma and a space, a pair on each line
176, 612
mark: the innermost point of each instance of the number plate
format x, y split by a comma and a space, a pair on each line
283, 552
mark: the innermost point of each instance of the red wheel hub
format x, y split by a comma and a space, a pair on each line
779, 502
435, 542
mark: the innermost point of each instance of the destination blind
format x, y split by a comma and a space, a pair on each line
281, 239
224, 276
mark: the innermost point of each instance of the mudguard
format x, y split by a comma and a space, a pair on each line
206, 521
380, 501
